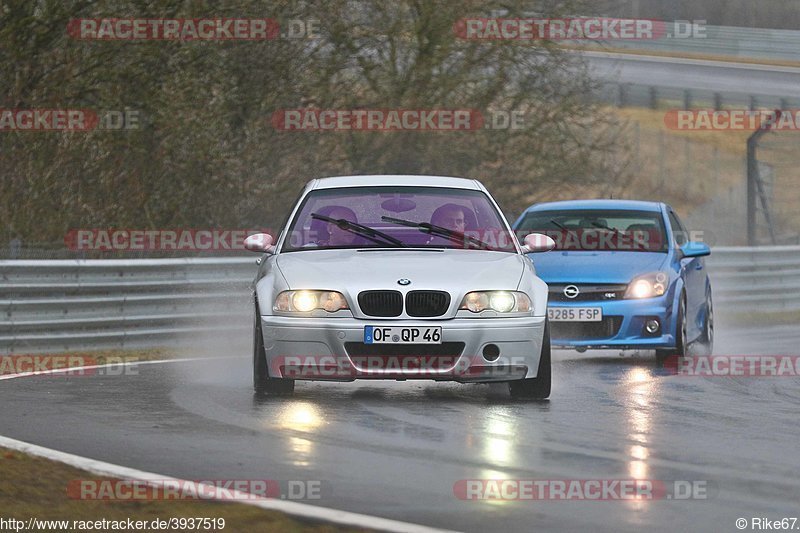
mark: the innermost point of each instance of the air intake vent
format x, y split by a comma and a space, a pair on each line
585, 331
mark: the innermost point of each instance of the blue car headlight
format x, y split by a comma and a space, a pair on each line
648, 285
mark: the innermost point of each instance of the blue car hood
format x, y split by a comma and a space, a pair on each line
595, 267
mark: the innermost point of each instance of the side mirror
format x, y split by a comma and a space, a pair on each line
259, 242
695, 249
537, 242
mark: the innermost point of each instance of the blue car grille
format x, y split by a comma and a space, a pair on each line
587, 292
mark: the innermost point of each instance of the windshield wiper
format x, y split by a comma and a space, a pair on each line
605, 227
360, 229
431, 229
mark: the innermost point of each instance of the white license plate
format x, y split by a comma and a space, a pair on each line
402, 335
575, 314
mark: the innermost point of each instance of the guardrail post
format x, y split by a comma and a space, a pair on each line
751, 189
653, 98
754, 185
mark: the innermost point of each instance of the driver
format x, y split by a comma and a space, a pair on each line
450, 216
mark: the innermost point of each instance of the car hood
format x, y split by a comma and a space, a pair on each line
452, 270
595, 267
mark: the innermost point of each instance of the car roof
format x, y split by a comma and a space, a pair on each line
632, 205
378, 180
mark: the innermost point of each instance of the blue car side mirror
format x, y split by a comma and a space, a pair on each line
695, 249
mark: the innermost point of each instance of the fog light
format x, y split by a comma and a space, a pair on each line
651, 326
491, 352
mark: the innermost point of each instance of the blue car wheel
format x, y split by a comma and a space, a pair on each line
680, 335
707, 336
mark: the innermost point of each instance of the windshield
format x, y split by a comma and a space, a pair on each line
398, 217
598, 229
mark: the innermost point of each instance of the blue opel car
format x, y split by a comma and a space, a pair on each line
623, 275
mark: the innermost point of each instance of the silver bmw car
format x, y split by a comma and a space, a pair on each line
399, 277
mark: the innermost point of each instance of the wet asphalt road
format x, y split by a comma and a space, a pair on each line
682, 73
395, 449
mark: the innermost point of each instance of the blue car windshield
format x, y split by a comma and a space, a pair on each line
396, 217
598, 229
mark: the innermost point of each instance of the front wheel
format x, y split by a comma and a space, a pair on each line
262, 382
539, 387
707, 337
680, 349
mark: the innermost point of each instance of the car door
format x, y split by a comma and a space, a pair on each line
694, 275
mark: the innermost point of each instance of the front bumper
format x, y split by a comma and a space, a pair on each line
332, 349
626, 328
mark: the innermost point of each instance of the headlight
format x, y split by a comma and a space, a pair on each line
305, 301
647, 286
500, 301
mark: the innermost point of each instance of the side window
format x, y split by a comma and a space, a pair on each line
678, 230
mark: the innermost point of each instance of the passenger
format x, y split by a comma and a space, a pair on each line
336, 235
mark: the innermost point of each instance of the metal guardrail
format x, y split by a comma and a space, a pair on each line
62, 305
623, 94
67, 305
733, 41
760, 279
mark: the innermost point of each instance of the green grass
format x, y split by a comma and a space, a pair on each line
36, 487
762, 319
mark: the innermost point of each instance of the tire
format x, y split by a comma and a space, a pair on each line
680, 349
537, 388
707, 337
262, 383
